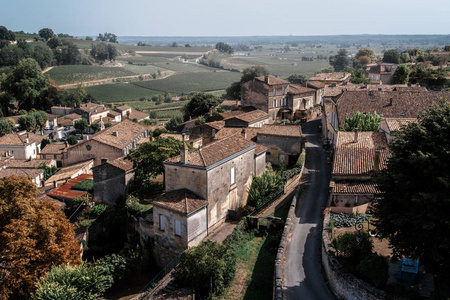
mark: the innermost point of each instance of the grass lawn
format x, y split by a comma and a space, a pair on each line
254, 270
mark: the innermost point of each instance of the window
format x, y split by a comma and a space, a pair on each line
274, 115
274, 103
282, 90
161, 222
274, 91
233, 175
177, 228
298, 105
282, 158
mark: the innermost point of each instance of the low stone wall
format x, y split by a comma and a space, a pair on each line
278, 272
342, 284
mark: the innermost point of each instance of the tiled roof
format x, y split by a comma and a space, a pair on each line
251, 133
123, 107
182, 201
121, 163
126, 131
92, 107
230, 114
215, 152
72, 116
230, 103
272, 80
176, 136
54, 149
316, 84
114, 113
297, 89
358, 158
397, 124
28, 164
336, 76
20, 138
217, 125
138, 115
65, 192
67, 172
282, 130
252, 116
33, 173
353, 187
404, 104
332, 91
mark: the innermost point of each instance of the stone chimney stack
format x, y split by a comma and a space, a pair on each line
210, 111
184, 153
376, 161
213, 134
266, 79
356, 136
244, 133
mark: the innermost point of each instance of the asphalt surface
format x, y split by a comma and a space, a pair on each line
302, 270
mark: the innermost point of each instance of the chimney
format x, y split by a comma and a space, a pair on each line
210, 111
244, 133
27, 140
356, 136
115, 133
54, 184
213, 134
103, 160
390, 101
184, 154
237, 102
183, 136
266, 79
376, 161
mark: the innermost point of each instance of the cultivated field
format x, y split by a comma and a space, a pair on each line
79, 73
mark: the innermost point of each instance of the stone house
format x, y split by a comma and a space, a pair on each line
35, 175
111, 143
23, 145
391, 126
255, 118
61, 110
69, 120
69, 172
111, 178
276, 97
397, 104
382, 73
129, 113
332, 78
58, 152
359, 158
180, 221
92, 112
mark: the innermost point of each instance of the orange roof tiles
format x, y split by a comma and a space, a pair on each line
54, 149
65, 191
182, 201
336, 76
297, 89
121, 163
252, 116
355, 187
398, 124
282, 130
272, 80
359, 158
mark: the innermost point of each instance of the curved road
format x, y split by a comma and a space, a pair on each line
302, 270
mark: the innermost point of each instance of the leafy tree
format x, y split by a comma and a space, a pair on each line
352, 249
234, 90
369, 52
5, 127
401, 75
340, 61
81, 124
48, 171
405, 57
44, 143
225, 48
46, 33
447, 48
35, 235
42, 55
362, 121
95, 127
199, 105
107, 37
53, 43
415, 204
206, 265
265, 188
6, 34
27, 122
359, 76
72, 140
25, 83
364, 60
101, 52
148, 158
297, 79
374, 269
391, 56
68, 54
41, 119
174, 124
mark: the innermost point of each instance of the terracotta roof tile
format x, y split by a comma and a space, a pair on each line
121, 163
397, 124
138, 115
281, 130
68, 172
54, 149
64, 192
273, 80
316, 84
20, 138
355, 187
230, 114
123, 108
28, 164
336, 76
215, 152
404, 104
359, 158
297, 89
252, 116
33, 173
182, 201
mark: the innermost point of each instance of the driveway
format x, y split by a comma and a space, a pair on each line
302, 270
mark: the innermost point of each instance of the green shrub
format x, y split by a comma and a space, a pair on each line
265, 188
80, 200
289, 173
97, 210
374, 269
348, 220
208, 263
85, 185
133, 206
352, 249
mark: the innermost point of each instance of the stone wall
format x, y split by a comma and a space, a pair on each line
92, 149
180, 177
342, 284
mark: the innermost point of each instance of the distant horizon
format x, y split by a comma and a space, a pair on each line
202, 18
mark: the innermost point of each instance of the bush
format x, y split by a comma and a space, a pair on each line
289, 173
97, 210
265, 188
134, 207
348, 220
374, 269
85, 185
352, 250
209, 262
72, 140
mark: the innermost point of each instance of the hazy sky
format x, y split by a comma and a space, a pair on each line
228, 17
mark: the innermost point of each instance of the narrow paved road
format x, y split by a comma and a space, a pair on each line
302, 270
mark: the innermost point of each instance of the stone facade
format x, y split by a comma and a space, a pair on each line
92, 149
281, 149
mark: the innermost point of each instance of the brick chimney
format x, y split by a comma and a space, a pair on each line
266, 79
376, 161
356, 136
